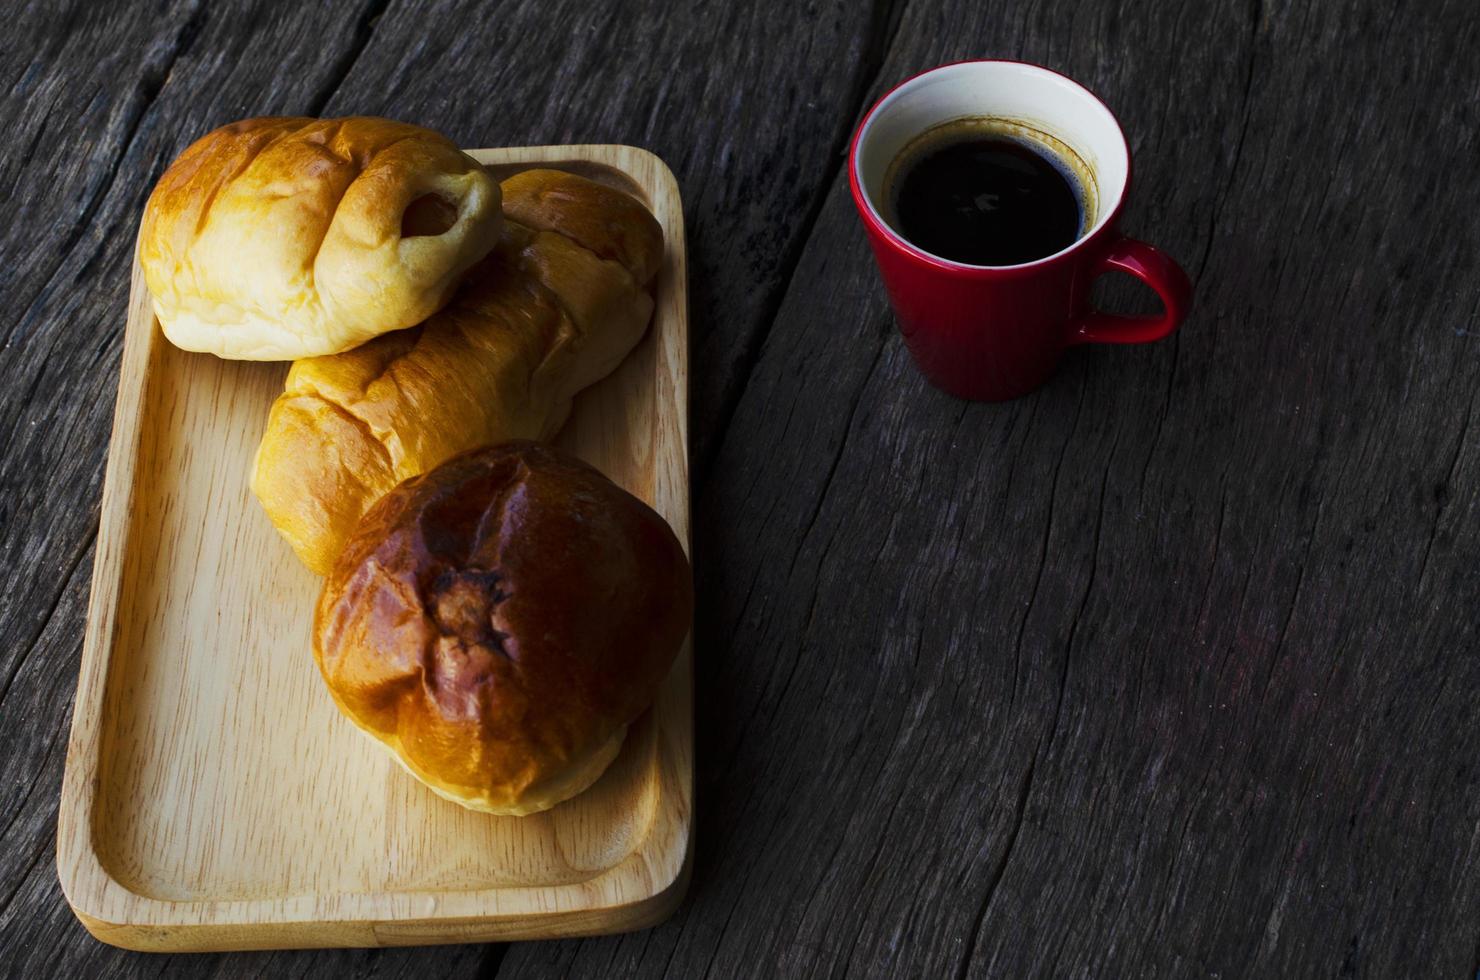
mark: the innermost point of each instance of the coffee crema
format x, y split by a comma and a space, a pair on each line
988, 191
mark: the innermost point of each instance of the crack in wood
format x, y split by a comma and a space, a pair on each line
873, 859
881, 41
43, 768
672, 954
1213, 215
1166, 411
1279, 645
998, 872
832, 468
896, 745
612, 957
1089, 587
364, 30
1275, 920
142, 100
1176, 852
1063, 683
56, 600
840, 842
720, 938
822, 559
1459, 445
1017, 453
1063, 686
1256, 9
1053, 489
1202, 606
42, 850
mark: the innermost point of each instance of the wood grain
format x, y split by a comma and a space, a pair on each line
214, 797
1167, 670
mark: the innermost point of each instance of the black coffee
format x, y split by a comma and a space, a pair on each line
984, 198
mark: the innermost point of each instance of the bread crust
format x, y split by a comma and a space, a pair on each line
550, 311
284, 237
498, 622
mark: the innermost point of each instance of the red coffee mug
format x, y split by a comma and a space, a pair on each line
992, 333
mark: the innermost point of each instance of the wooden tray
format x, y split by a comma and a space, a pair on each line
214, 797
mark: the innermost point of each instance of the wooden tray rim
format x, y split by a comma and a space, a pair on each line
116, 914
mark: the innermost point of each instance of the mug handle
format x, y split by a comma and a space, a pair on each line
1156, 269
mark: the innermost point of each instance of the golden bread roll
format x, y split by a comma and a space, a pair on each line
276, 238
553, 309
498, 622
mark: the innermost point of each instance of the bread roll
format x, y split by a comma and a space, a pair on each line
553, 309
498, 623
277, 238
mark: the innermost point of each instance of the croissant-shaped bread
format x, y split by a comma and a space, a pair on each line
553, 309
276, 238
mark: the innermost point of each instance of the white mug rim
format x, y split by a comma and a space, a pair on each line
1103, 221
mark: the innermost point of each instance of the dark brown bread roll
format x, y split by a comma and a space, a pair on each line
499, 621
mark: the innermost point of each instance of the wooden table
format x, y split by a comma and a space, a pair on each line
1169, 669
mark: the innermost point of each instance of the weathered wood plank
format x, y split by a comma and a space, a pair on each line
1171, 668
